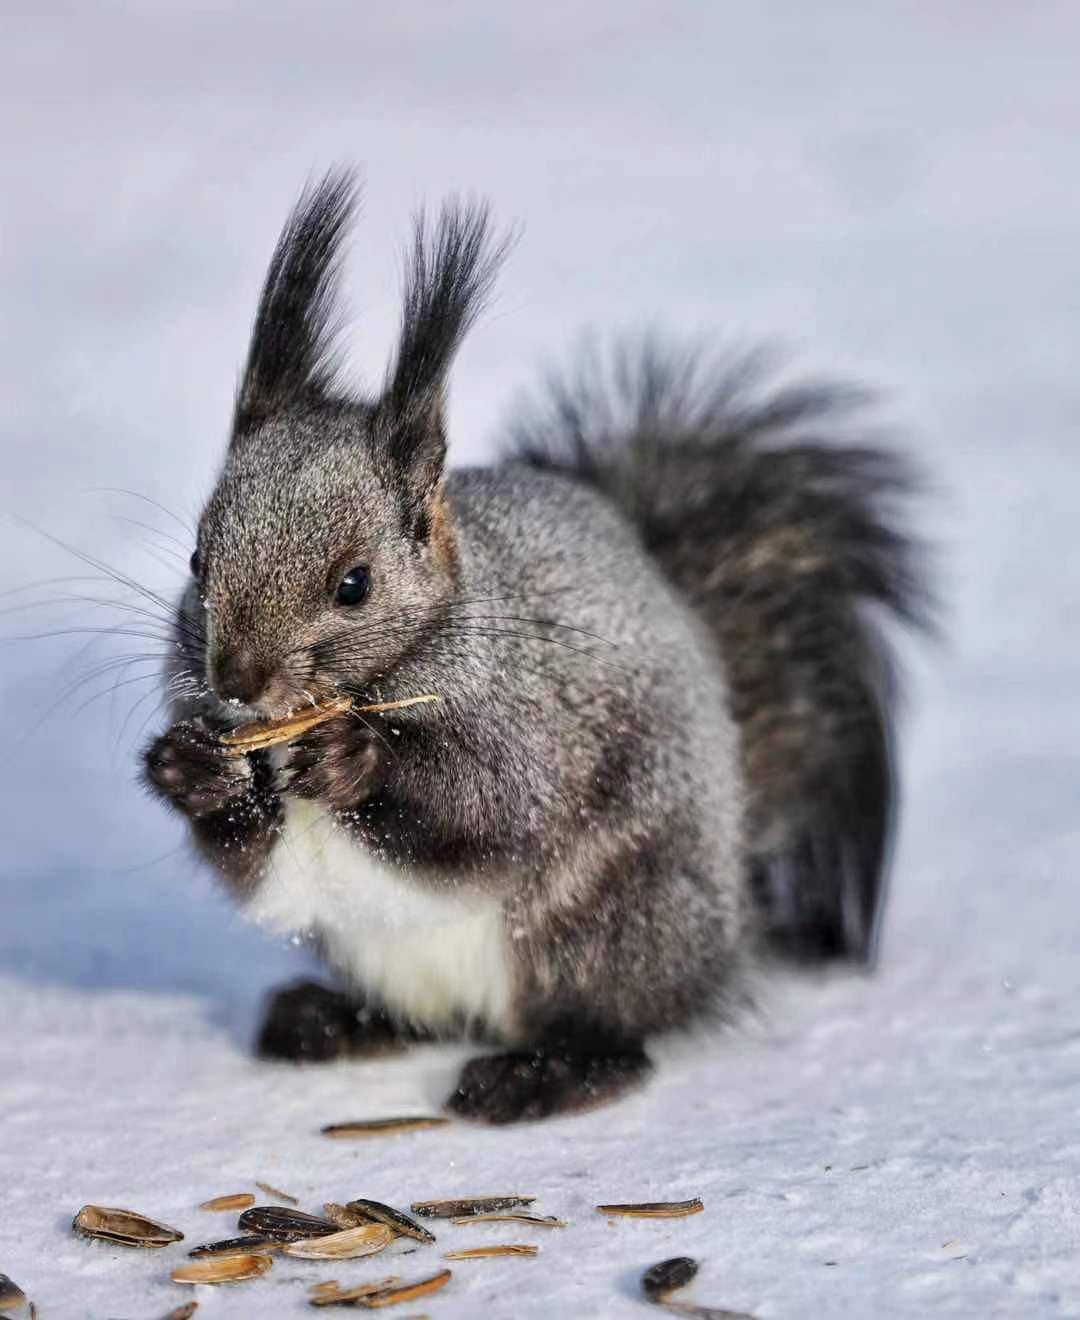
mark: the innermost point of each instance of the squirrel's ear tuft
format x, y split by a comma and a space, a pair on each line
293, 358
449, 273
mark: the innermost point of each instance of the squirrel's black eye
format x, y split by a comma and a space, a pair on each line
195, 564
353, 587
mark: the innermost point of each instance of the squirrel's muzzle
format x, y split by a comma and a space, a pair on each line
238, 676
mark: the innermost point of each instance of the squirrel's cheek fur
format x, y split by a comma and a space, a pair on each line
439, 960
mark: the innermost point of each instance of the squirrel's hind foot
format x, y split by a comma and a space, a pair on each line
557, 1078
306, 1022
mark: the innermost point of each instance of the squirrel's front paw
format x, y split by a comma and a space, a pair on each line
336, 763
189, 768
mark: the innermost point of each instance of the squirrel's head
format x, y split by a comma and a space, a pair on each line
326, 552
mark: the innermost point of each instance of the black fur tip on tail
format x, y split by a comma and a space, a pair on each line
788, 536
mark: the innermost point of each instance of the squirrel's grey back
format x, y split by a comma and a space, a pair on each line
784, 540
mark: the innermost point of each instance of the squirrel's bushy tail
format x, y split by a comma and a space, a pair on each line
789, 542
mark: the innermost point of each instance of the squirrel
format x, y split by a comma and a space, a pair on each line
663, 746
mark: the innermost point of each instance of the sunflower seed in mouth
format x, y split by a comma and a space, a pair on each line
268, 733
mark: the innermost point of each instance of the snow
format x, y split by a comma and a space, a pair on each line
889, 187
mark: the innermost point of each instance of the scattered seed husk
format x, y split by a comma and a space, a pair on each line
268, 733
222, 1269
399, 1223
326, 1288
654, 1209
694, 1312
11, 1295
337, 1214
237, 1246
331, 1292
661, 1280
184, 1312
383, 1127
126, 1227
284, 1224
349, 1244
406, 1292
505, 1249
512, 1217
277, 1194
468, 1205
239, 1201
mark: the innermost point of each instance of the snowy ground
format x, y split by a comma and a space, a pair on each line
890, 189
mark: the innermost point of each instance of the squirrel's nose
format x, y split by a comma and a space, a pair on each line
238, 677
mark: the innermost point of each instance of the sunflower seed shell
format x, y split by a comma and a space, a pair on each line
349, 1244
468, 1205
284, 1224
667, 1276
512, 1217
277, 1194
237, 1246
382, 1127
407, 1292
240, 1201
331, 1293
654, 1209
342, 1216
222, 1269
126, 1227
481, 1253
11, 1295
393, 1219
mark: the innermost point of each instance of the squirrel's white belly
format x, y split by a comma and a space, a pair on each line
434, 958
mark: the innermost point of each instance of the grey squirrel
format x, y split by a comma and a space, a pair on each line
663, 744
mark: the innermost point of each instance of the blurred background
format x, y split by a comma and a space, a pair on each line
889, 190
